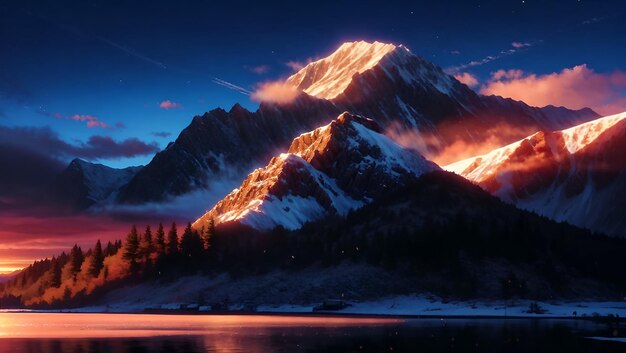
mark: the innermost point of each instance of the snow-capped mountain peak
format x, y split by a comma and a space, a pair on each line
329, 77
330, 170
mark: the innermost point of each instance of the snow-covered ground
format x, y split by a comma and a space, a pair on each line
418, 305
413, 305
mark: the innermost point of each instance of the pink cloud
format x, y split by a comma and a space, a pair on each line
91, 120
507, 75
295, 65
574, 88
467, 78
275, 92
519, 45
298, 65
168, 104
259, 70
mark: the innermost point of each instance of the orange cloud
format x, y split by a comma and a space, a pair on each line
467, 78
435, 150
275, 92
574, 88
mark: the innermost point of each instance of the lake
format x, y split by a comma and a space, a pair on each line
65, 332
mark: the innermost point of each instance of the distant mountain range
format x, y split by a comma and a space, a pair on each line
384, 82
577, 175
386, 90
83, 184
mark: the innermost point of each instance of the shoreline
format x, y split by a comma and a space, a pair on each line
329, 314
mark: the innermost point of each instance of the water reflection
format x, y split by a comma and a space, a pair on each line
263, 334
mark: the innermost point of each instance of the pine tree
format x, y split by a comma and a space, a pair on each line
208, 234
76, 260
110, 249
97, 260
160, 240
55, 278
190, 243
131, 246
172, 240
147, 246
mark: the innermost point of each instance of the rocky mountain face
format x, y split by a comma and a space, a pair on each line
83, 184
399, 90
328, 171
576, 175
223, 145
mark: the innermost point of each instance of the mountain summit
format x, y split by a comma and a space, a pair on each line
330, 170
331, 76
328, 77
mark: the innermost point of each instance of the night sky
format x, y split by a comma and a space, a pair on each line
115, 81
85, 68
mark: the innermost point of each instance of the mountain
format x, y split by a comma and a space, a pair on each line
328, 171
399, 90
576, 175
83, 184
219, 146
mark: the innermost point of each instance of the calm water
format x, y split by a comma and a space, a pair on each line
55, 333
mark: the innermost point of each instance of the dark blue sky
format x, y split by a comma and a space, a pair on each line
65, 64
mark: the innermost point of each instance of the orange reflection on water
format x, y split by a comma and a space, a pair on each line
77, 325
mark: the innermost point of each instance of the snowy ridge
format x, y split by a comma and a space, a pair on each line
577, 137
577, 175
102, 180
479, 168
394, 157
329, 77
329, 171
266, 211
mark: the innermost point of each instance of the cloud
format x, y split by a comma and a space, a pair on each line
25, 238
168, 104
442, 154
574, 88
98, 147
514, 49
46, 142
162, 134
32, 157
467, 78
455, 52
518, 45
295, 65
231, 86
91, 120
275, 92
259, 70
